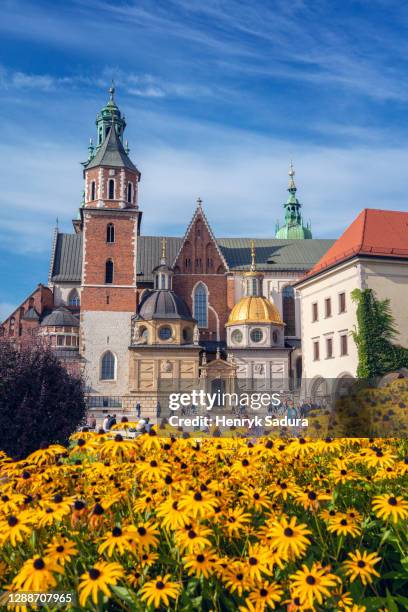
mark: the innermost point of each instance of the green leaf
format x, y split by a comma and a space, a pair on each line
124, 594
391, 605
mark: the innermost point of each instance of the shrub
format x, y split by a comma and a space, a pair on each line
40, 402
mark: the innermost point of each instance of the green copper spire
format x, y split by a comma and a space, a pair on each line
293, 228
109, 113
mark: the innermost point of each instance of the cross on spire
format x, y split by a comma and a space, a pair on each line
253, 263
199, 202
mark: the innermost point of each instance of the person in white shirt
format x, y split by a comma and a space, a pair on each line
105, 423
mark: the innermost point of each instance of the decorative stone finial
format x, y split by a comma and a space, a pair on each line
199, 202
163, 254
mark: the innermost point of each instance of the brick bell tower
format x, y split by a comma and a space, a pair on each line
110, 222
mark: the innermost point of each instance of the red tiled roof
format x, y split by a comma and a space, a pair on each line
373, 232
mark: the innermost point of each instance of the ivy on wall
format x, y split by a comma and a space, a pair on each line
374, 336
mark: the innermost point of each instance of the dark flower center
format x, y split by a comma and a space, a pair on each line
174, 505
393, 501
253, 561
81, 442
116, 532
312, 495
153, 463
343, 522
60, 549
39, 564
12, 521
198, 496
192, 534
256, 495
343, 472
288, 532
98, 510
168, 480
239, 577
200, 558
79, 505
361, 563
160, 585
118, 438
5, 498
245, 462
141, 531
94, 573
310, 579
57, 498
263, 592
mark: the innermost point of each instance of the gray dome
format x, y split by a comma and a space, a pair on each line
163, 304
61, 317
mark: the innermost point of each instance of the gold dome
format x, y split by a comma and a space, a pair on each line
254, 309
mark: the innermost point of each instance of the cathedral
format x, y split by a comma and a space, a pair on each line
137, 314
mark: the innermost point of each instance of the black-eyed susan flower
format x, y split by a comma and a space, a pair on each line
145, 535
266, 595
312, 585
202, 563
98, 578
257, 563
289, 537
14, 528
361, 565
390, 506
61, 550
235, 521
160, 591
170, 514
37, 574
193, 537
235, 577
119, 540
341, 525
198, 503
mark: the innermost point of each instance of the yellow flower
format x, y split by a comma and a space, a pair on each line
201, 563
98, 578
361, 565
257, 562
37, 575
193, 537
15, 528
235, 521
118, 540
160, 591
386, 506
266, 595
145, 535
340, 525
170, 514
198, 503
288, 537
312, 585
235, 577
61, 550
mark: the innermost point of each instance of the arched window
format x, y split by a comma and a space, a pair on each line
109, 271
108, 366
129, 192
73, 299
111, 189
288, 308
110, 233
93, 190
201, 305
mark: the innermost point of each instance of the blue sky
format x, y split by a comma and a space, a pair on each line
218, 96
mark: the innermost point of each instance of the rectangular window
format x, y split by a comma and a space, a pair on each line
315, 312
343, 344
327, 307
342, 302
316, 351
68, 340
60, 340
329, 348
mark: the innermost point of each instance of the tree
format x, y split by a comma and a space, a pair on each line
40, 402
374, 335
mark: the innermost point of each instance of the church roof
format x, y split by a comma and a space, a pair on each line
381, 233
163, 304
272, 254
60, 317
67, 258
111, 153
